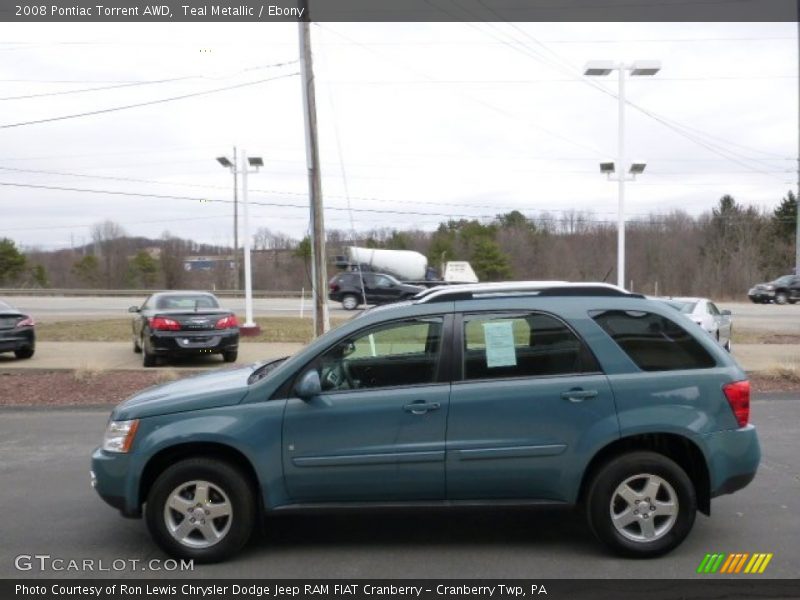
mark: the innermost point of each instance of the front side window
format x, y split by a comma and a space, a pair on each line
531, 345
398, 354
653, 342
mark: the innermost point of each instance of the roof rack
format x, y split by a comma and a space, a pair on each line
449, 293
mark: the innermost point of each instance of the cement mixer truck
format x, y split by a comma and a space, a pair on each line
406, 265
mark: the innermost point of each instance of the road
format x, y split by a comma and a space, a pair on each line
50, 509
747, 316
66, 308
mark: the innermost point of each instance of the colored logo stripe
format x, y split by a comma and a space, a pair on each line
739, 562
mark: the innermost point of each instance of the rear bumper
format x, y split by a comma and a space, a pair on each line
192, 343
733, 458
16, 339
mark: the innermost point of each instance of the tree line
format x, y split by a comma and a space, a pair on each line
719, 254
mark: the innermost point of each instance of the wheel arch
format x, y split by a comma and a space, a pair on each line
172, 454
674, 446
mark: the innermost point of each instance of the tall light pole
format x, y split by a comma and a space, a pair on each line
602, 68
225, 162
249, 164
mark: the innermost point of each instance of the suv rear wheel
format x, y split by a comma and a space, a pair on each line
202, 509
350, 302
641, 504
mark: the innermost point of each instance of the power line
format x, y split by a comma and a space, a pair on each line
149, 103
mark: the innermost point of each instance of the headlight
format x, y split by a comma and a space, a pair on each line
769, 287
119, 435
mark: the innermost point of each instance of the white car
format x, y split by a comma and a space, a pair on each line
704, 312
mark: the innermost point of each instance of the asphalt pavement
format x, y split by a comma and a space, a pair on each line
746, 315
49, 508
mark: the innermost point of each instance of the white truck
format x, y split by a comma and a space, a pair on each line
406, 265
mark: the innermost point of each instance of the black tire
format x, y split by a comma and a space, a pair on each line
781, 298
350, 302
137, 349
148, 358
792, 301
633, 468
225, 477
23, 353
230, 355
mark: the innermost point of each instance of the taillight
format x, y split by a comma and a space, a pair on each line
164, 324
26, 322
738, 395
228, 322
334, 287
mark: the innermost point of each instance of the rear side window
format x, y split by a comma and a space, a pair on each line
532, 345
653, 342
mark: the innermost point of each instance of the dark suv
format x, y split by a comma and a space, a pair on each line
379, 288
486, 394
782, 290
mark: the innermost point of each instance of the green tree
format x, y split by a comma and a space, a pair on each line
515, 220
144, 269
489, 261
12, 262
39, 274
784, 218
87, 270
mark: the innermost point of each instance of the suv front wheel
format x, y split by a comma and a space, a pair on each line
641, 504
201, 509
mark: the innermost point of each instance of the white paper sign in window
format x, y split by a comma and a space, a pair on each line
499, 339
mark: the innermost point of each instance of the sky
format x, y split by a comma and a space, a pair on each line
418, 123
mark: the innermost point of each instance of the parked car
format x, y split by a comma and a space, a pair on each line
183, 324
17, 332
780, 291
379, 288
718, 323
564, 394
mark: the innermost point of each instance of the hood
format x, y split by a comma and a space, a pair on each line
224, 387
407, 287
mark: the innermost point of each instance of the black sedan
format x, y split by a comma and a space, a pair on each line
17, 333
181, 324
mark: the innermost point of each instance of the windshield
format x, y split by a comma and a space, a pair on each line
786, 279
186, 301
682, 306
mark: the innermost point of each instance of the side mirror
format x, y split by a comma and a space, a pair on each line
309, 385
725, 313
133, 309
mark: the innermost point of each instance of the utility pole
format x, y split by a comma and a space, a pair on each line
319, 274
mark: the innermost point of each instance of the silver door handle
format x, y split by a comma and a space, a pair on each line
421, 407
578, 395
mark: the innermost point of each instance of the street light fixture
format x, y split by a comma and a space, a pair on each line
248, 165
602, 68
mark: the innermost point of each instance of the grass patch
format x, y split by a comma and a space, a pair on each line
273, 329
789, 373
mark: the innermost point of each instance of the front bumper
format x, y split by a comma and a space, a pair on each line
733, 458
110, 479
193, 342
761, 294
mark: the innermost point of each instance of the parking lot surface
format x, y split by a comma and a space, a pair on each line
51, 509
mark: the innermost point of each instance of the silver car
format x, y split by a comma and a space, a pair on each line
704, 312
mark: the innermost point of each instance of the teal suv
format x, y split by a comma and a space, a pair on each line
528, 393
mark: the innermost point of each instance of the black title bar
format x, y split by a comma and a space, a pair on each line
400, 10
